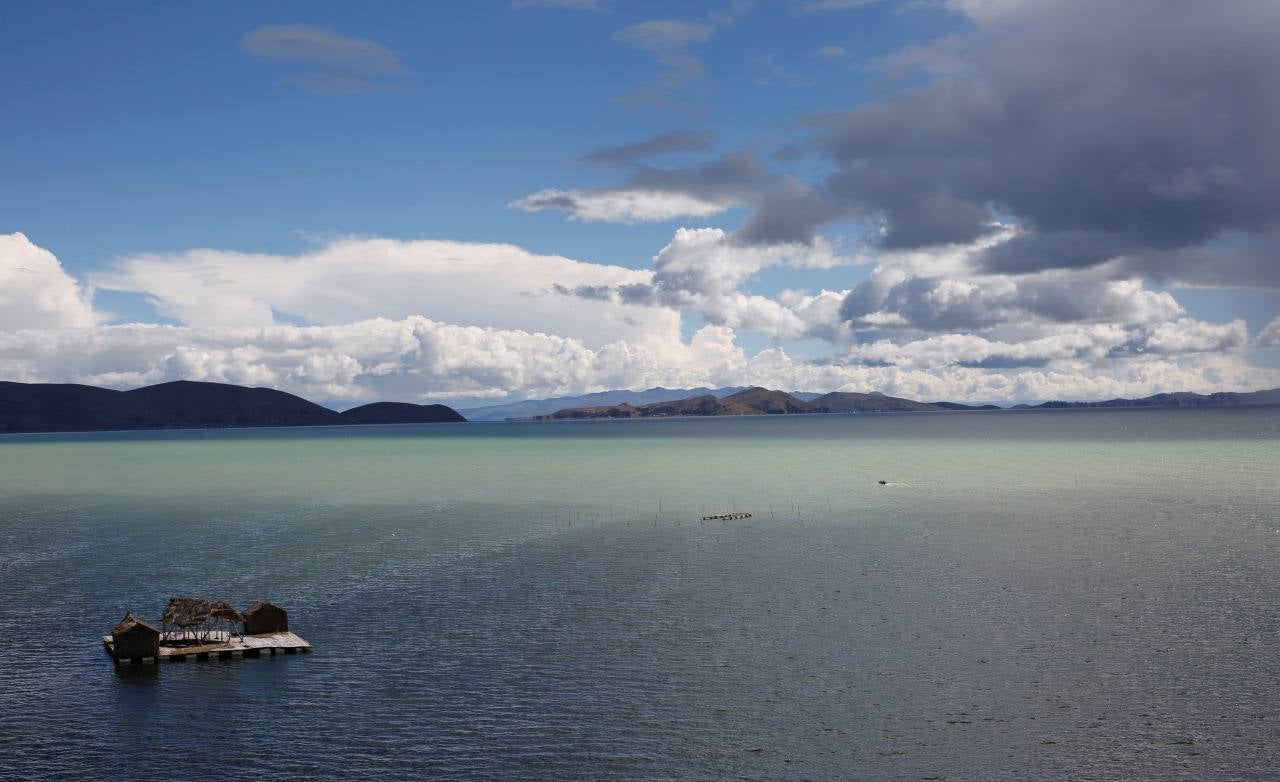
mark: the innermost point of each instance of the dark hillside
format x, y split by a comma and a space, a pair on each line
65, 407
220, 404
183, 404
400, 413
845, 402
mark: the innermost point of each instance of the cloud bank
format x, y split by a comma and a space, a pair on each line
417, 359
454, 320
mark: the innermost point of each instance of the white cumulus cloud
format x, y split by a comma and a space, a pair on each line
497, 285
415, 321
1269, 337
1186, 335
35, 291
417, 359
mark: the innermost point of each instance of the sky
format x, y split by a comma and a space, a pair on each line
973, 200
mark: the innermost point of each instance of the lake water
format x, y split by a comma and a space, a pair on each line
1090, 595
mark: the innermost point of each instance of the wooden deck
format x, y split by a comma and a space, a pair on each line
221, 647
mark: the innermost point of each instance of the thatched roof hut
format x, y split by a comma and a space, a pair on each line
135, 638
187, 612
264, 617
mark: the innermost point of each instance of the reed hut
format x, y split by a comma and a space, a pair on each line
135, 638
196, 619
263, 617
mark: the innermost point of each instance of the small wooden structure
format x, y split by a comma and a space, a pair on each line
192, 619
220, 646
204, 629
726, 516
134, 638
264, 617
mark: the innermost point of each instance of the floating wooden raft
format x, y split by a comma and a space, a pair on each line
726, 516
221, 646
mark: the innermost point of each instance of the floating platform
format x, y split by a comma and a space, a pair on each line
726, 516
220, 645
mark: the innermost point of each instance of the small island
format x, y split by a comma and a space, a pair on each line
199, 629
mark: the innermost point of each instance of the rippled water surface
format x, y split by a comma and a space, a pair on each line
1033, 596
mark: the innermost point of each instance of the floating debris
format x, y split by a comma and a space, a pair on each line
726, 516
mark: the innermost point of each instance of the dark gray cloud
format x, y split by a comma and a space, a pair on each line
1236, 260
333, 62
736, 175
1142, 128
662, 144
658, 194
1138, 133
786, 213
788, 153
593, 292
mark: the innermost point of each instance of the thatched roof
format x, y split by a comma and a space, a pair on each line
226, 613
131, 622
191, 611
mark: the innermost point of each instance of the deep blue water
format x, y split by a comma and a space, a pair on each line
1033, 596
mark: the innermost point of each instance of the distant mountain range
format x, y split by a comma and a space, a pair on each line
751, 401
759, 401
1177, 399
840, 402
762, 401
183, 404
534, 408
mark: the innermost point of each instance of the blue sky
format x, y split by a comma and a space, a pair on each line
149, 128
150, 131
